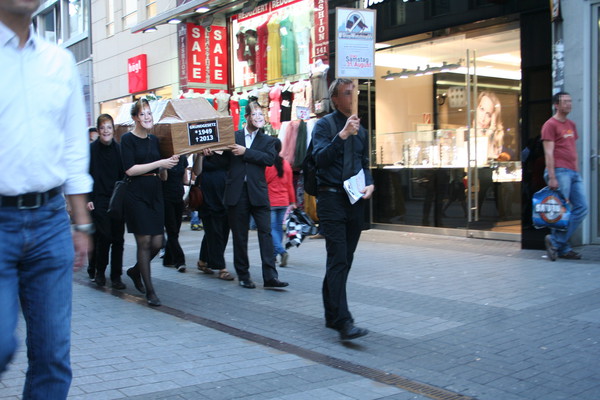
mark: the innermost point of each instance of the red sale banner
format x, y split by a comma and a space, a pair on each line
196, 54
217, 42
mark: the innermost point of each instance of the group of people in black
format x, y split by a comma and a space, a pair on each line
234, 188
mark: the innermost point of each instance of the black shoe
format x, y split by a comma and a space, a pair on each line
118, 284
571, 255
276, 283
550, 249
247, 284
350, 331
137, 279
330, 325
91, 273
181, 268
153, 300
100, 280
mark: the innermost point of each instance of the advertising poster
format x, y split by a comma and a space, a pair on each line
355, 43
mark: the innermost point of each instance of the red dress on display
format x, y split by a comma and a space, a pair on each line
262, 32
234, 108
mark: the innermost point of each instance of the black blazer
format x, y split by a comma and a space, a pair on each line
251, 166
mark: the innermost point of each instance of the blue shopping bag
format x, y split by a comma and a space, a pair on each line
550, 210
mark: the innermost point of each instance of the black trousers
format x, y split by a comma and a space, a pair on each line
108, 239
173, 216
239, 220
341, 224
214, 242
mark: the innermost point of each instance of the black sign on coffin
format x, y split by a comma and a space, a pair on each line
203, 132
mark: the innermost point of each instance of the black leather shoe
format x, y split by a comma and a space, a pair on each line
330, 325
153, 300
118, 284
137, 279
350, 331
276, 283
247, 284
100, 280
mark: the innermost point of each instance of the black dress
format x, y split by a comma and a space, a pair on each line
144, 207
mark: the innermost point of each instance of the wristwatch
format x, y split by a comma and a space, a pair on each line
84, 228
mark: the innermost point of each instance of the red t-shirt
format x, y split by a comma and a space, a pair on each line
564, 135
281, 190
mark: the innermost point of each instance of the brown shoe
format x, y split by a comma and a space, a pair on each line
571, 255
202, 266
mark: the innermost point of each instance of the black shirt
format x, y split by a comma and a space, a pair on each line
105, 168
328, 151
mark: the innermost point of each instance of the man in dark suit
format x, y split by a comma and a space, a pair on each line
341, 150
246, 194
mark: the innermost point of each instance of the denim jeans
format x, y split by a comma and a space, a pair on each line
36, 267
571, 186
277, 214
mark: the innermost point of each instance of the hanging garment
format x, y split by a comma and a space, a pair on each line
288, 47
288, 146
275, 107
234, 106
262, 32
302, 25
273, 50
286, 105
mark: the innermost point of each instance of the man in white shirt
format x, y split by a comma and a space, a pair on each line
44, 153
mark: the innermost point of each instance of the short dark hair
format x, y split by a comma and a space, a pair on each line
92, 129
556, 97
138, 106
333, 88
102, 118
251, 106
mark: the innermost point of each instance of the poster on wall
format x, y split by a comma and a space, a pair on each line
355, 43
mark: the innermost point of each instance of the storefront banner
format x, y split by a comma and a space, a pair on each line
196, 54
266, 9
137, 73
321, 45
355, 43
218, 54
182, 54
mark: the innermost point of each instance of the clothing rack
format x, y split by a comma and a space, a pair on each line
258, 85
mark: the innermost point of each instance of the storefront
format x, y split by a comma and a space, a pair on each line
448, 115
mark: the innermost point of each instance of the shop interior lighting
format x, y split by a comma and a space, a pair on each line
174, 21
428, 70
202, 10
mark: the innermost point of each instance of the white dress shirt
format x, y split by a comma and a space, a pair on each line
43, 137
249, 137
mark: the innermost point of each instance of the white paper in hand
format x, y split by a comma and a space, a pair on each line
354, 185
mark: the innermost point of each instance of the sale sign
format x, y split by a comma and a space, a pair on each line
217, 42
196, 54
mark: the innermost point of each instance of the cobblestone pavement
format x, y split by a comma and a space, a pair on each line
450, 318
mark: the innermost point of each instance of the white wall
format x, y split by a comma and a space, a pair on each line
110, 54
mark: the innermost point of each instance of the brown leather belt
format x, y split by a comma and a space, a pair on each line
149, 175
29, 200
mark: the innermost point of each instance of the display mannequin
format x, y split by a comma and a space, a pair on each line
286, 102
234, 106
222, 98
320, 90
275, 106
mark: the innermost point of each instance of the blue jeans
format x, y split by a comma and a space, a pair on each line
36, 267
277, 214
571, 186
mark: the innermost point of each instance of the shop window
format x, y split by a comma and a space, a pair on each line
110, 18
47, 25
150, 8
440, 7
129, 13
76, 17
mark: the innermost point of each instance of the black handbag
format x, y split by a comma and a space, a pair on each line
116, 204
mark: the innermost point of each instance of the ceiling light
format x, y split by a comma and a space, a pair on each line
174, 21
151, 29
202, 10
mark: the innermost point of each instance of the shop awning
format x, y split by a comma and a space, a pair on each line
188, 9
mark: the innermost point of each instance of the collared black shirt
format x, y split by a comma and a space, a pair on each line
328, 151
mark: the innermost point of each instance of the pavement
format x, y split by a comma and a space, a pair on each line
450, 318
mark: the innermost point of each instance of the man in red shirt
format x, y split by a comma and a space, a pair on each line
559, 135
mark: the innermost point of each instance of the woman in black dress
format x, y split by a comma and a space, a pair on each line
144, 208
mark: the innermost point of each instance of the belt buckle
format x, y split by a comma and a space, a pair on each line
38, 202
